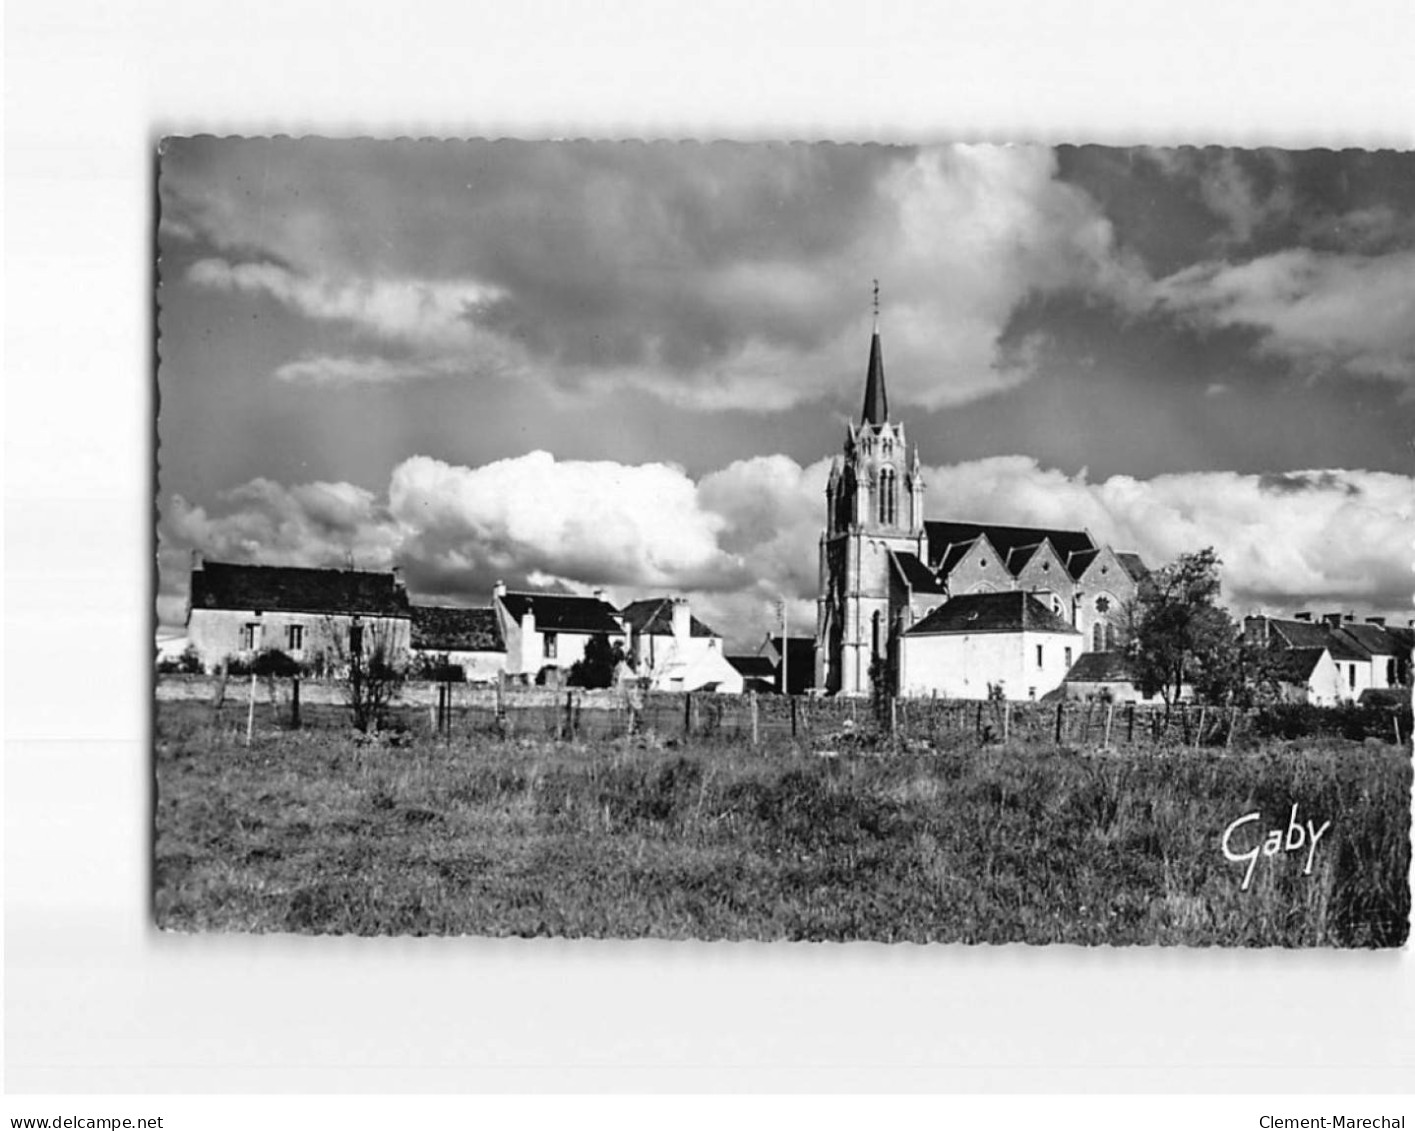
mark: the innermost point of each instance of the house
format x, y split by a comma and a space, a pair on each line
674, 651
1364, 656
981, 644
550, 630
1103, 676
316, 616
469, 639
794, 660
885, 568
1307, 675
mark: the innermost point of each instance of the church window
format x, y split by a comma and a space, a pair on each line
1102, 605
887, 496
1098, 636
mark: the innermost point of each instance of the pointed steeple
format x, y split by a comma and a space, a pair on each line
876, 402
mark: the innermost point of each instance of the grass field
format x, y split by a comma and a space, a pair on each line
313, 832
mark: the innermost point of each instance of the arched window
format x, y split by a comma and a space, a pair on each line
888, 502
1098, 636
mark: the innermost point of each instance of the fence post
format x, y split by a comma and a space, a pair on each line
792, 700
1129, 724
1199, 733
295, 703
1006, 719
752, 708
250, 710
687, 716
1109, 716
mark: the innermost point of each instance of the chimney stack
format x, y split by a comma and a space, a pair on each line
1333, 619
682, 620
398, 582
1379, 622
1350, 616
1303, 616
599, 594
197, 560
498, 590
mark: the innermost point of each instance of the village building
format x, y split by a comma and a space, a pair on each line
551, 630
318, 617
885, 568
987, 645
758, 672
793, 663
671, 650
465, 639
1365, 657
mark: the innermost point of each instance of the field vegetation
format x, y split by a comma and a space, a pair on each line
323, 831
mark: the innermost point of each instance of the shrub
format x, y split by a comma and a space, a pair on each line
188, 663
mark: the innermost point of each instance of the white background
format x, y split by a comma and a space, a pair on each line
98, 1001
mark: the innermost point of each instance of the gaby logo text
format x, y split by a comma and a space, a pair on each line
1298, 836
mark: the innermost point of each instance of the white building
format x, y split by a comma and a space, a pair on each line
975, 643
551, 630
674, 651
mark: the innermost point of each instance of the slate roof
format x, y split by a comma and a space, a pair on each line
1004, 539
654, 617
297, 589
754, 667
1296, 665
803, 650
1079, 561
1371, 637
1017, 557
918, 576
563, 612
1300, 633
1135, 566
1101, 667
437, 628
991, 612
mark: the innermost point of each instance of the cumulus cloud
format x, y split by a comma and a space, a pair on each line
742, 537
1323, 311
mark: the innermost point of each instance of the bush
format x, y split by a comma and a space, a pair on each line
188, 663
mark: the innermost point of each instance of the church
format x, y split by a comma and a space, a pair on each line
1038, 598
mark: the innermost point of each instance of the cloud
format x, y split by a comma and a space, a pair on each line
718, 277
741, 537
1324, 312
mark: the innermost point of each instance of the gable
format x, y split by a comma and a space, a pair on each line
654, 617
1004, 539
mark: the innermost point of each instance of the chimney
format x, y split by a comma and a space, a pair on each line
1350, 617
1379, 622
682, 620
1303, 616
1333, 619
599, 594
197, 560
498, 590
398, 582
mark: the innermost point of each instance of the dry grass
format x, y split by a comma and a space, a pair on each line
312, 832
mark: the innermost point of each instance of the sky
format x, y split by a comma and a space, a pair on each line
628, 365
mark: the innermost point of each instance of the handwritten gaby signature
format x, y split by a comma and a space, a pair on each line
1298, 836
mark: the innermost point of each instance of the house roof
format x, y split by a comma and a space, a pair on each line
803, 650
297, 589
1296, 665
916, 575
754, 667
991, 612
654, 617
563, 612
1101, 667
1371, 637
1300, 633
438, 628
1005, 540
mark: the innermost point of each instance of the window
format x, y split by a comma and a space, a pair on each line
550, 645
1039, 655
1102, 604
887, 502
1098, 636
1390, 672
1351, 674
250, 637
1068, 659
295, 637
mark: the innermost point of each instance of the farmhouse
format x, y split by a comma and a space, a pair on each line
674, 651
884, 569
1364, 657
758, 672
551, 630
469, 639
984, 644
316, 616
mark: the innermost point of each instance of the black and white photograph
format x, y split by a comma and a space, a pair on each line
955, 543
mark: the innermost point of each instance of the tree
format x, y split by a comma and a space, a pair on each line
1180, 635
373, 672
597, 666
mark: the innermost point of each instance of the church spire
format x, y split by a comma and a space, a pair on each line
876, 402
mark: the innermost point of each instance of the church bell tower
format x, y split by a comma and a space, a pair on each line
874, 504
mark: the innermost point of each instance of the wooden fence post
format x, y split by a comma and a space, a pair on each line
1060, 707
792, 700
1006, 719
752, 708
687, 716
295, 702
250, 710
1199, 733
1109, 718
1129, 724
